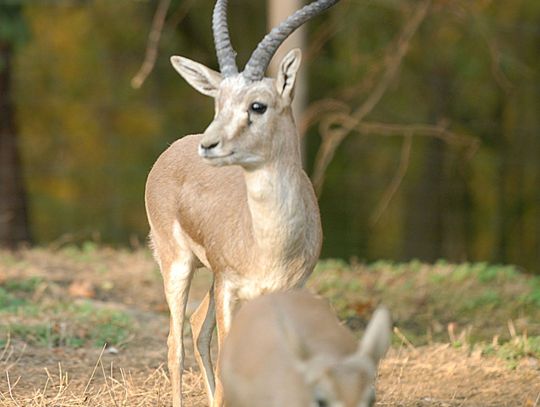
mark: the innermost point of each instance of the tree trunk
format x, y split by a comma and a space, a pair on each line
14, 228
278, 11
424, 223
424, 231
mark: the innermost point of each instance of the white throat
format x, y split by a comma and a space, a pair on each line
276, 204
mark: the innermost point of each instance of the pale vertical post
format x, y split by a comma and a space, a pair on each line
278, 11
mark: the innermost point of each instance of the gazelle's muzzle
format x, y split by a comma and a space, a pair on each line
211, 146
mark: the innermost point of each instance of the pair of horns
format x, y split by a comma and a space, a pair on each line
259, 60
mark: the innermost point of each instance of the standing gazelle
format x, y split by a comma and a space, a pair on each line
235, 198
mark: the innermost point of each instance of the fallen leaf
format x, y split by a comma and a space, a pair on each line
82, 289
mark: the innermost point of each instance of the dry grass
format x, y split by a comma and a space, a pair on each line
103, 384
437, 375
440, 375
457, 373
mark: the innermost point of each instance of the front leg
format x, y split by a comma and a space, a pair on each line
225, 299
177, 280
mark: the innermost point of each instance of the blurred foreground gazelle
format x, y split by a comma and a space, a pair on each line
288, 349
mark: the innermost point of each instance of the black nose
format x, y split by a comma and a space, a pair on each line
209, 146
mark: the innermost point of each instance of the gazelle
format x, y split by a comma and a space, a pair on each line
299, 355
235, 198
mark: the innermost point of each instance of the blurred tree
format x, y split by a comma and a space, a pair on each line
468, 71
278, 11
14, 227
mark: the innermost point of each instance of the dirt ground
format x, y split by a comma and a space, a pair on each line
136, 374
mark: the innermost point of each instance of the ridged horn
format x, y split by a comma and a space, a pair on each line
260, 59
225, 53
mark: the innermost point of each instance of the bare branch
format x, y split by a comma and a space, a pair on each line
334, 136
152, 45
439, 131
320, 38
332, 123
498, 74
396, 181
314, 112
180, 13
492, 46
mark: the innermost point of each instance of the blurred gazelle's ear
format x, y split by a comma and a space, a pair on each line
286, 76
378, 335
203, 79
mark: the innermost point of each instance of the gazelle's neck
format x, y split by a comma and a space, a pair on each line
276, 194
274, 200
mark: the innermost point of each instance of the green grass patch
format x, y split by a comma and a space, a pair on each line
53, 322
88, 251
426, 300
15, 295
28, 285
107, 325
72, 325
485, 300
9, 302
514, 350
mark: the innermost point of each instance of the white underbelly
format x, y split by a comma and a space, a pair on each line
249, 287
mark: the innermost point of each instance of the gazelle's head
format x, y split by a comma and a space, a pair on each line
349, 382
253, 121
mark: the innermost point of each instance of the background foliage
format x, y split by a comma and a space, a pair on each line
88, 139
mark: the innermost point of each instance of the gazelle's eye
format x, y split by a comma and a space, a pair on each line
258, 108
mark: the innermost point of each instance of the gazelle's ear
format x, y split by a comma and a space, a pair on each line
286, 76
378, 335
203, 79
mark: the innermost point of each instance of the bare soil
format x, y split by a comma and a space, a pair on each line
135, 374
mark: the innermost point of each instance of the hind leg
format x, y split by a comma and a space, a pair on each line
203, 321
225, 299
